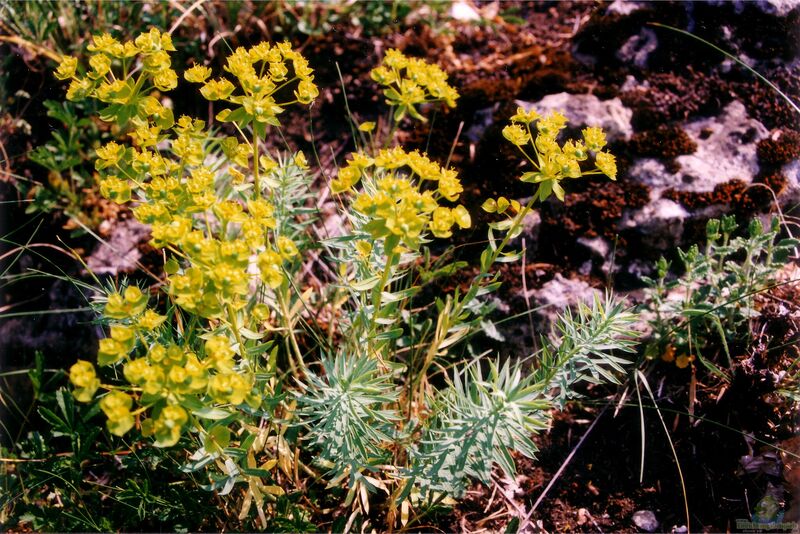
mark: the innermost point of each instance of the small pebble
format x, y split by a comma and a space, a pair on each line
645, 520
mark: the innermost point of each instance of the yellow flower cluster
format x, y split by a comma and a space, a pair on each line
395, 197
117, 407
409, 82
178, 208
553, 161
260, 71
108, 78
225, 247
166, 374
218, 273
84, 378
213, 281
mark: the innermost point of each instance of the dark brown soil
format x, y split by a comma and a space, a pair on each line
782, 147
666, 141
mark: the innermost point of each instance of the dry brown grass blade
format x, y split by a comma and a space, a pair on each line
37, 50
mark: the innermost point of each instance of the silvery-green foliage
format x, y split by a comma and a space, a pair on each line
591, 339
344, 412
289, 188
481, 418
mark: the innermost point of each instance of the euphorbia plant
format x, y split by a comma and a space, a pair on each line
230, 355
204, 215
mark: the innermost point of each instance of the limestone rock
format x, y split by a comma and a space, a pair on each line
726, 149
599, 250
557, 295
791, 193
588, 110
625, 7
638, 48
120, 253
660, 223
778, 8
645, 520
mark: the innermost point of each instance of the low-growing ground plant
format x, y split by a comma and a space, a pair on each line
73, 477
713, 302
66, 156
267, 384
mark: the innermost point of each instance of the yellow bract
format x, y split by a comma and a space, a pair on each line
79, 88
607, 164
117, 407
115, 189
107, 44
259, 72
525, 117
109, 155
395, 201
410, 82
168, 426
270, 263
83, 377
217, 89
66, 68
197, 74
595, 138
151, 320
516, 134
554, 162
126, 306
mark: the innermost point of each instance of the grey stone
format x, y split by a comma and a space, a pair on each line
599, 249
120, 253
637, 48
726, 150
557, 295
464, 11
624, 7
588, 110
652, 173
645, 520
778, 8
637, 269
598, 246
531, 226
660, 223
790, 196
482, 119
546, 304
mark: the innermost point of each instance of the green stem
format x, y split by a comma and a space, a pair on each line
377, 292
393, 130
511, 231
256, 165
286, 313
443, 325
235, 328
